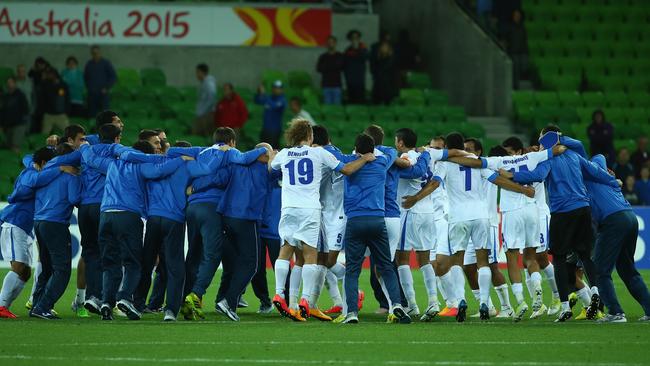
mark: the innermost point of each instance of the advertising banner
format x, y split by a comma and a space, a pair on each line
164, 25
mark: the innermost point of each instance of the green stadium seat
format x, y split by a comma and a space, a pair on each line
168, 94
570, 99
419, 80
624, 50
454, 114
435, 97
616, 99
644, 34
432, 114
590, 15
559, 32
358, 113
299, 79
578, 49
536, 49
624, 143
128, 77
636, 84
630, 131
412, 97
121, 94
547, 99
153, 77
615, 115
613, 83
536, 31
639, 99
543, 15
566, 15
333, 113
594, 68
637, 18
562, 82
582, 33
5, 73
593, 99
600, 50
188, 93
637, 116
553, 49
628, 32
408, 114
619, 67
571, 66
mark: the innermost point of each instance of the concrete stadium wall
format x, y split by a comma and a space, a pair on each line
242, 66
462, 60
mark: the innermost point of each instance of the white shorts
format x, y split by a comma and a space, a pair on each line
521, 228
393, 230
461, 232
15, 244
332, 231
544, 219
300, 225
416, 232
470, 253
441, 235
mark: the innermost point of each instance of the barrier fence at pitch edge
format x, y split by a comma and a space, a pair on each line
641, 257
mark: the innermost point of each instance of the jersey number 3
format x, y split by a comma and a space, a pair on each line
304, 169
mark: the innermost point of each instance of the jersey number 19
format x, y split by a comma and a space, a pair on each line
304, 169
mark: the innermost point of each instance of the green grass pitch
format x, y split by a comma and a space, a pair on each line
270, 340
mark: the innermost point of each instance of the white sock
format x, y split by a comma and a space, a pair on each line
281, 270
430, 282
385, 291
318, 285
594, 290
585, 296
309, 275
536, 281
339, 270
504, 297
294, 286
549, 272
565, 306
443, 292
406, 280
448, 284
11, 288
80, 297
484, 283
477, 295
490, 303
459, 282
38, 268
518, 291
333, 288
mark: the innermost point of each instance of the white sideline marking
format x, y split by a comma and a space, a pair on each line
311, 362
340, 343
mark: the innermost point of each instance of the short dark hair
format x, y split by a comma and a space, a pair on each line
514, 143
332, 37
440, 137
64, 148
144, 146
551, 128
71, 131
43, 155
364, 144
224, 135
108, 133
455, 140
203, 68
147, 134
104, 117
158, 130
407, 136
376, 132
296, 100
478, 146
321, 136
71, 58
498, 150
182, 143
94, 47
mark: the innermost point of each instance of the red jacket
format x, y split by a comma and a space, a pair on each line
231, 112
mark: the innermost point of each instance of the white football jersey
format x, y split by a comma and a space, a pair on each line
331, 192
409, 187
491, 194
466, 191
302, 171
512, 200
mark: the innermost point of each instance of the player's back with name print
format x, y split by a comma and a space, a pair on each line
302, 171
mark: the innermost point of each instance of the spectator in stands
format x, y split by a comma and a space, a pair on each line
356, 56
56, 102
100, 77
601, 136
74, 79
24, 84
517, 46
37, 74
407, 54
274, 106
231, 110
295, 104
330, 66
384, 74
14, 115
204, 120
622, 167
628, 191
642, 187
640, 156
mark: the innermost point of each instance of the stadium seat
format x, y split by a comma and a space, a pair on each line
593, 99
128, 78
408, 114
582, 33
639, 99
569, 99
614, 99
436, 97
628, 32
411, 97
358, 113
153, 77
5, 73
454, 114
188, 93
333, 113
637, 116
299, 79
547, 99
619, 67
419, 80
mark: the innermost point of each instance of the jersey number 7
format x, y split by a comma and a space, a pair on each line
304, 170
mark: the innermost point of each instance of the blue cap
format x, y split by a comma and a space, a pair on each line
549, 139
600, 160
